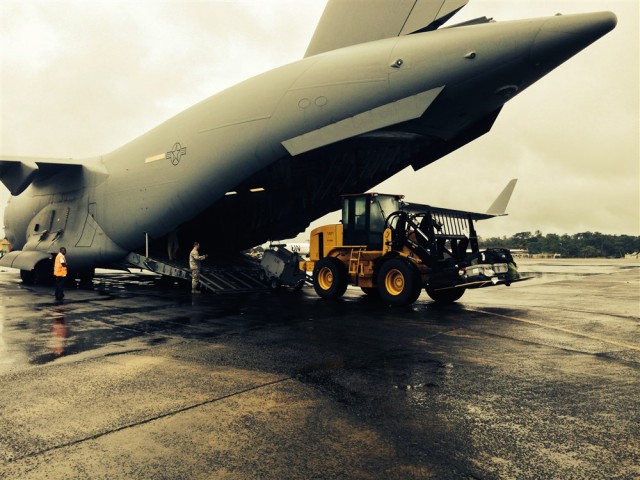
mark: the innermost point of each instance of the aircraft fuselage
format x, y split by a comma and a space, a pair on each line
424, 89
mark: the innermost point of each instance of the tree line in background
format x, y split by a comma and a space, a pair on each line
580, 245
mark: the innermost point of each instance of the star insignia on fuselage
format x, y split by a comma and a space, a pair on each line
176, 153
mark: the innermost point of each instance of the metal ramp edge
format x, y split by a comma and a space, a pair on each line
232, 279
163, 267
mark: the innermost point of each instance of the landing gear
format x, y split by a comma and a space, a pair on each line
27, 277
86, 278
42, 274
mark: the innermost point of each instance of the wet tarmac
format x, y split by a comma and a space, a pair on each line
139, 380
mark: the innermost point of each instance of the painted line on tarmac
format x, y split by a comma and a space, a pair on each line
559, 329
147, 420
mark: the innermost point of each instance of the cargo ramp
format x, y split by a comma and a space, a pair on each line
240, 275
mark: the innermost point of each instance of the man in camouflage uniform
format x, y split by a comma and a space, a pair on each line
194, 264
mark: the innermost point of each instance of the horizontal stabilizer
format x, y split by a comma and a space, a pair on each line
17, 173
499, 206
392, 113
351, 22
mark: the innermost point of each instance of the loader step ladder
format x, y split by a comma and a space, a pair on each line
354, 260
229, 279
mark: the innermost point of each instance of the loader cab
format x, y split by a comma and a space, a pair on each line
363, 218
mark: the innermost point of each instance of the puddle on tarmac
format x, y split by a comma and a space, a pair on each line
546, 277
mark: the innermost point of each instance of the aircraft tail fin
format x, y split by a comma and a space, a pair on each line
376, 20
499, 206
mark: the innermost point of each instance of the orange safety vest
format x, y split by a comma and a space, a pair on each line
60, 266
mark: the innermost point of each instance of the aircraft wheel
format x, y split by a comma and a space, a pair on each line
445, 296
86, 278
27, 277
43, 273
398, 282
330, 278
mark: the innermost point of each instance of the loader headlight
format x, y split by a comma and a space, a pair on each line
500, 267
473, 271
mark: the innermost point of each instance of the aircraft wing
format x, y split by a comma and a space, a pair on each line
17, 173
350, 22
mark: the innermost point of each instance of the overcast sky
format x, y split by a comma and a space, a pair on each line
82, 78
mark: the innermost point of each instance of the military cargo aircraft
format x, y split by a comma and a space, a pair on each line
383, 85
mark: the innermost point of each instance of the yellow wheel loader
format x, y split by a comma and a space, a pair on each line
394, 250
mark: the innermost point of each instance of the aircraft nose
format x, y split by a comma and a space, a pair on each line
562, 36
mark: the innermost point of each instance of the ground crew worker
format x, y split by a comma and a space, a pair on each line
194, 264
60, 272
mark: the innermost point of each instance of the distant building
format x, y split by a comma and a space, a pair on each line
546, 255
5, 247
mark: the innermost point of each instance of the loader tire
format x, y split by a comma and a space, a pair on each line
445, 296
371, 292
330, 278
398, 282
